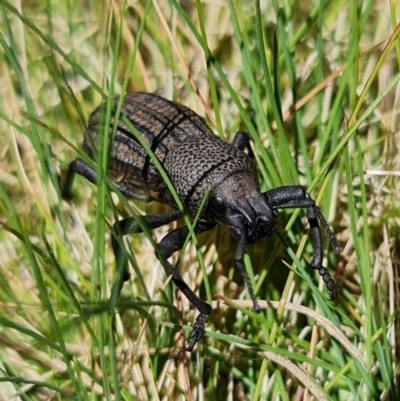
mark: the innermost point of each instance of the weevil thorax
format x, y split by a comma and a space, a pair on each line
209, 165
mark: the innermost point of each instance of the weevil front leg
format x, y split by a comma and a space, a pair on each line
239, 263
295, 196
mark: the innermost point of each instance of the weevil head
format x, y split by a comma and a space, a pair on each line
238, 203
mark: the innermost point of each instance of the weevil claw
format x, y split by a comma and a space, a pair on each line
198, 330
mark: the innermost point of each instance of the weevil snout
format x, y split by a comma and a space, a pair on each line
238, 203
260, 218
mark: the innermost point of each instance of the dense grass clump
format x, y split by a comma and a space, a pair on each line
317, 86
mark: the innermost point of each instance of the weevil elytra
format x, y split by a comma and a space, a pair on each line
197, 162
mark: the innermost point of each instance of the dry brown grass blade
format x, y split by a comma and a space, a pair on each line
287, 115
183, 64
330, 328
296, 371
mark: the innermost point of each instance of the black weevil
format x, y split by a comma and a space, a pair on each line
197, 162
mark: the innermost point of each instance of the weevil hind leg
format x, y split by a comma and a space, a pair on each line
78, 166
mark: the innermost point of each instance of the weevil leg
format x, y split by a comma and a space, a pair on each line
171, 243
132, 225
239, 257
78, 166
241, 141
240, 232
293, 197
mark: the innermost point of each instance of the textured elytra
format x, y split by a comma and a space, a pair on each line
162, 124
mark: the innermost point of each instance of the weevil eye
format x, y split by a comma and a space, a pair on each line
217, 205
